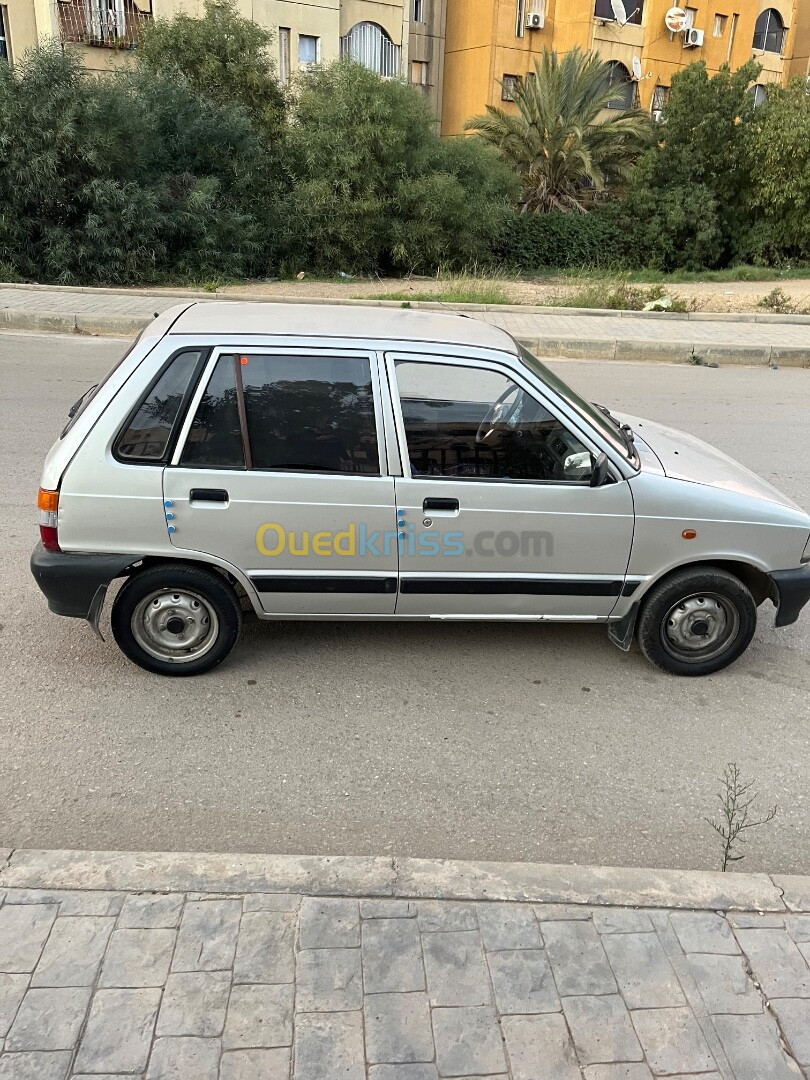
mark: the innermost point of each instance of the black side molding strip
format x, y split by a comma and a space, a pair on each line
511, 586
317, 584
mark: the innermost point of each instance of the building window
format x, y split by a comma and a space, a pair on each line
659, 101
760, 95
689, 21
5, 51
370, 46
618, 75
603, 9
509, 85
284, 55
418, 10
731, 35
719, 25
520, 18
308, 49
419, 72
769, 32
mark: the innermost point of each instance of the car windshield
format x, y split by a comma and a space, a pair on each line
599, 419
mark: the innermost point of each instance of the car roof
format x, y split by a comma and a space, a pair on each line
333, 321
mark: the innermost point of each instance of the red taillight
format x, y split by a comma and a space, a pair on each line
49, 537
48, 503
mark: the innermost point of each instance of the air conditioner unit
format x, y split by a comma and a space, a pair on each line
535, 20
692, 38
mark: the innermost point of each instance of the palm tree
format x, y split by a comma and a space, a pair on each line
570, 133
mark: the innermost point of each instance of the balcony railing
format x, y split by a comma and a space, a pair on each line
371, 46
108, 24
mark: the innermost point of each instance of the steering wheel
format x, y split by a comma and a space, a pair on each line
499, 413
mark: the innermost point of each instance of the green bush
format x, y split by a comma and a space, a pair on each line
673, 227
686, 206
374, 188
779, 195
559, 241
125, 178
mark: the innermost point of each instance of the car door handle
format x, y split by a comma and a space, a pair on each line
448, 505
214, 495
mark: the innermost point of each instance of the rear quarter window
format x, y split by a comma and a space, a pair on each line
148, 431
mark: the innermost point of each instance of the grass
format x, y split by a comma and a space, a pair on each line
616, 295
684, 277
466, 288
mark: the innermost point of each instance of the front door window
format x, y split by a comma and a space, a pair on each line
496, 514
473, 423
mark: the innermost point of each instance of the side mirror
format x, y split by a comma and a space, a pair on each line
600, 471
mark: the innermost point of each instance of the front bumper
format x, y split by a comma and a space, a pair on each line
71, 581
790, 591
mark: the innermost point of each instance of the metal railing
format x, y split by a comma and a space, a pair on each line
109, 24
370, 46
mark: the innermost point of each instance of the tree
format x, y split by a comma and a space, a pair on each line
567, 136
222, 56
779, 193
686, 206
374, 188
125, 178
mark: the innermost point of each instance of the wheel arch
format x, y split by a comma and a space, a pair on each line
622, 631
239, 582
753, 577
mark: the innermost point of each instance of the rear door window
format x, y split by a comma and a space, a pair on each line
215, 437
310, 413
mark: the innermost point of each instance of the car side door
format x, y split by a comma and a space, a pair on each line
279, 472
495, 510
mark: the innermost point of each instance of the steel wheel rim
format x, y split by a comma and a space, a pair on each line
700, 627
175, 625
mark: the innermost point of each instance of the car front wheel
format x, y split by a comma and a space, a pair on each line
176, 619
697, 621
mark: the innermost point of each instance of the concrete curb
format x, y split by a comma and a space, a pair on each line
699, 353
612, 349
425, 305
378, 876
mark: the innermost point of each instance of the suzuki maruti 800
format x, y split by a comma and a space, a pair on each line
319, 462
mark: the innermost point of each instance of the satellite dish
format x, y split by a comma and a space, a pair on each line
619, 11
675, 20
636, 68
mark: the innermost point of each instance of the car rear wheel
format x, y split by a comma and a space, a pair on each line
176, 620
697, 621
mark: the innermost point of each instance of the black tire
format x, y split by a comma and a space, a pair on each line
704, 604
199, 602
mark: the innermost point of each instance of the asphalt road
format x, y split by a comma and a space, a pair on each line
437, 740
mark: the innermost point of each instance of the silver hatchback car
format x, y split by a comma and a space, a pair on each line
318, 462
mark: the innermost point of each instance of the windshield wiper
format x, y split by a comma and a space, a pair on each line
77, 405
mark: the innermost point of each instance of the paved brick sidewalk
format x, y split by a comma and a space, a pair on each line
620, 336
257, 985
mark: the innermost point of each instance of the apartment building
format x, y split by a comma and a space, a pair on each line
462, 54
492, 44
395, 38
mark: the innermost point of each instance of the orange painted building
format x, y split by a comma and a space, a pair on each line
490, 43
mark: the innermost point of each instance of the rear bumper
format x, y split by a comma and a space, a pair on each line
790, 592
70, 581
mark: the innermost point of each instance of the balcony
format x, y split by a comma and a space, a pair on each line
369, 45
106, 24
